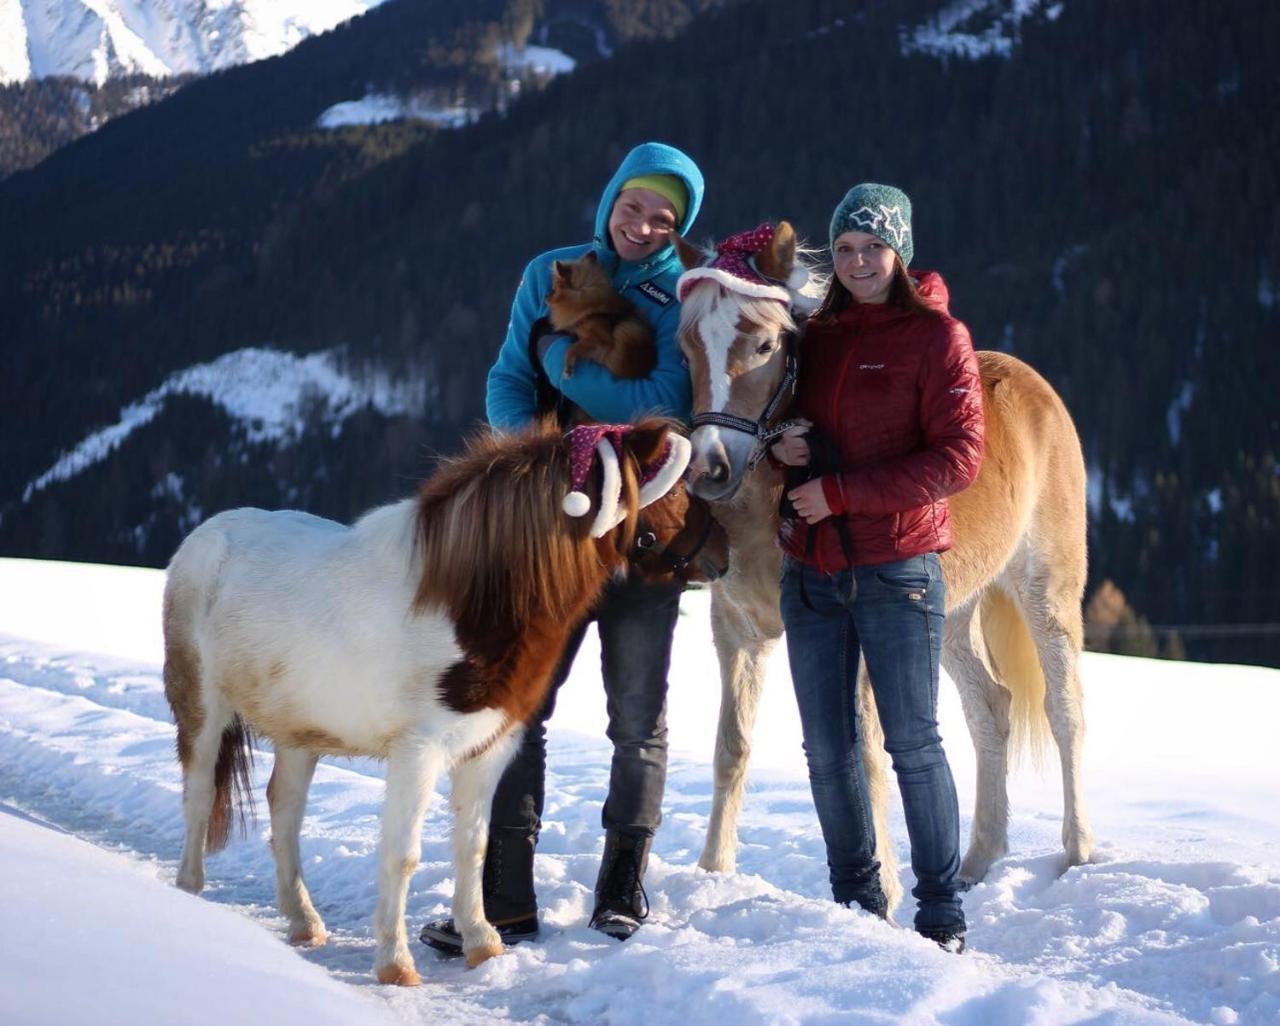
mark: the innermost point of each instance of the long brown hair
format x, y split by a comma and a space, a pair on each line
903, 294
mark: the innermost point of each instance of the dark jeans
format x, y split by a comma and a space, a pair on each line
895, 619
636, 622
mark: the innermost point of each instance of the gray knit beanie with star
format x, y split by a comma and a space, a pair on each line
880, 210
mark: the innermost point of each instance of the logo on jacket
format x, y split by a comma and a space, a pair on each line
871, 366
656, 294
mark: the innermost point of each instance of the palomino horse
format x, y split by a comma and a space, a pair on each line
1014, 579
425, 634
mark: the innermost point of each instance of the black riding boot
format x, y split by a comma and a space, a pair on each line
621, 903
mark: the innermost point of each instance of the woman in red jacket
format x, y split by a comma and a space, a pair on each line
890, 381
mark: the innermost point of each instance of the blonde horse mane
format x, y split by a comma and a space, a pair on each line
494, 540
709, 300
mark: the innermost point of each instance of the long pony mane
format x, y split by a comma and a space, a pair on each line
496, 546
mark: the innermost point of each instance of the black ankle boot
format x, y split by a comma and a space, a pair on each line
621, 903
948, 938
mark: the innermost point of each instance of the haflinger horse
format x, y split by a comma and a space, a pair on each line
1014, 578
425, 634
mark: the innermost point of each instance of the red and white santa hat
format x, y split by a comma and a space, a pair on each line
734, 267
589, 441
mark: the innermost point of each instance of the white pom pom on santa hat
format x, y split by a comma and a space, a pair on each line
576, 504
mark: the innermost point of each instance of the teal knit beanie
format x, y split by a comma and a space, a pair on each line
879, 210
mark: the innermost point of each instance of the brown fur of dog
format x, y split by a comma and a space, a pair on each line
605, 326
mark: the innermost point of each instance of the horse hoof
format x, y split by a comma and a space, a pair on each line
399, 975
483, 954
309, 937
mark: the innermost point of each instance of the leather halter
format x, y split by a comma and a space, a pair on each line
761, 429
646, 543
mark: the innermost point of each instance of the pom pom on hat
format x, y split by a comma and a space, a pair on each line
588, 441
576, 504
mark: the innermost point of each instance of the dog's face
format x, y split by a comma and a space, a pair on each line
578, 286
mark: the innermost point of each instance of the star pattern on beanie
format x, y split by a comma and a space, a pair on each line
900, 230
864, 218
880, 210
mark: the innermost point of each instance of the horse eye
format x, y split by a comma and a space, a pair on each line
765, 347
646, 540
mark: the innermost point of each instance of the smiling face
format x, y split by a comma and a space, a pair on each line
641, 223
864, 265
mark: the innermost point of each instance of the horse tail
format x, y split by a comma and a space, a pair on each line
1016, 665
232, 785
191, 585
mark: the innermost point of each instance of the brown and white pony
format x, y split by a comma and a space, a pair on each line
1015, 577
425, 634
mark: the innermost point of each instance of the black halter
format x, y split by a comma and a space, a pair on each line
761, 429
647, 541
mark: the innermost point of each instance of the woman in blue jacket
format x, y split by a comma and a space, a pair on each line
655, 192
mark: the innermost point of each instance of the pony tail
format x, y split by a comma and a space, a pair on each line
232, 785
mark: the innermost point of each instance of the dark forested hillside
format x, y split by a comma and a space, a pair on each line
1104, 202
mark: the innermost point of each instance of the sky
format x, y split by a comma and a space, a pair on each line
1177, 919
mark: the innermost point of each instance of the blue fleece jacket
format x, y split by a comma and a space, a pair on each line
510, 394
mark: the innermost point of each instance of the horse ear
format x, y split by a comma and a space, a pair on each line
777, 261
647, 440
690, 255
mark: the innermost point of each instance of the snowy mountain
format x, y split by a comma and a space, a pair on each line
95, 40
1175, 921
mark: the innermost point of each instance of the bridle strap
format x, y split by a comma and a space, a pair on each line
762, 430
679, 564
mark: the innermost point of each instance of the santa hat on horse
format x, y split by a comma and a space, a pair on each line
734, 266
588, 441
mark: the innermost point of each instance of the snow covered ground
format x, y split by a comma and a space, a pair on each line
1177, 919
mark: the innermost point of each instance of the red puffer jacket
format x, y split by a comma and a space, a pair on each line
900, 396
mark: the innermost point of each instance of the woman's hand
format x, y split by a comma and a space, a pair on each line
810, 501
792, 449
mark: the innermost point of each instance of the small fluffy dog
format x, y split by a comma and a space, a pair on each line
605, 326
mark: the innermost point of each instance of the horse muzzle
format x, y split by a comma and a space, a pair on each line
714, 474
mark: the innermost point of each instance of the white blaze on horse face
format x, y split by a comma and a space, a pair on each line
718, 329
734, 337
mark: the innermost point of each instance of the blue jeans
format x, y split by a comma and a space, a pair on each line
895, 619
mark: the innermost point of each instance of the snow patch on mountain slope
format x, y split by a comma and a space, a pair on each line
268, 392
974, 29
98, 39
538, 62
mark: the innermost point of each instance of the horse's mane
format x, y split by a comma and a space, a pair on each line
495, 544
